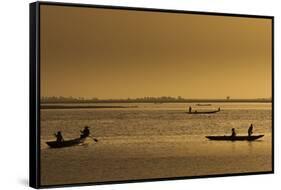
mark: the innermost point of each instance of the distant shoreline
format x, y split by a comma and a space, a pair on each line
160, 102
81, 107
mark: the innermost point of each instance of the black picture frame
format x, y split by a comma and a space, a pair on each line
34, 98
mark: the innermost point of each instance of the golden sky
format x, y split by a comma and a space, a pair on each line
90, 52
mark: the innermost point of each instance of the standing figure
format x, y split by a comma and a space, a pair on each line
233, 134
250, 130
190, 109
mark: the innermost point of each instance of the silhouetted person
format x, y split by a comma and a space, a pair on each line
59, 137
233, 134
250, 130
85, 133
219, 109
190, 109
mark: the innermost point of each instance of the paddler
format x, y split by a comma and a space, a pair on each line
250, 130
59, 137
233, 134
85, 133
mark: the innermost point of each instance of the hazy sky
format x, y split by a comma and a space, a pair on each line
105, 53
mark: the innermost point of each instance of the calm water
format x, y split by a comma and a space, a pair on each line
154, 141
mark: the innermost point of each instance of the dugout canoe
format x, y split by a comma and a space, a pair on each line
66, 143
236, 138
203, 112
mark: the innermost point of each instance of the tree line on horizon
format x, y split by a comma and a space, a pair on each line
148, 99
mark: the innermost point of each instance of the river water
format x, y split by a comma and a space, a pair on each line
154, 141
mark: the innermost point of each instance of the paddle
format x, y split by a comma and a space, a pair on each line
96, 140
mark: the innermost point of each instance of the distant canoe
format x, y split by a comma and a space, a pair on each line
203, 104
66, 143
203, 112
236, 138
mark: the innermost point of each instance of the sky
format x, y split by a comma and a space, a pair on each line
105, 53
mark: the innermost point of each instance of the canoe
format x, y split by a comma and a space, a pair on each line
203, 104
236, 138
203, 112
66, 143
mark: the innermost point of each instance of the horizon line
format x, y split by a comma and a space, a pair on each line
151, 97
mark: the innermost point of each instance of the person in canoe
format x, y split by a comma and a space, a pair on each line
189, 109
85, 133
233, 133
59, 137
250, 130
